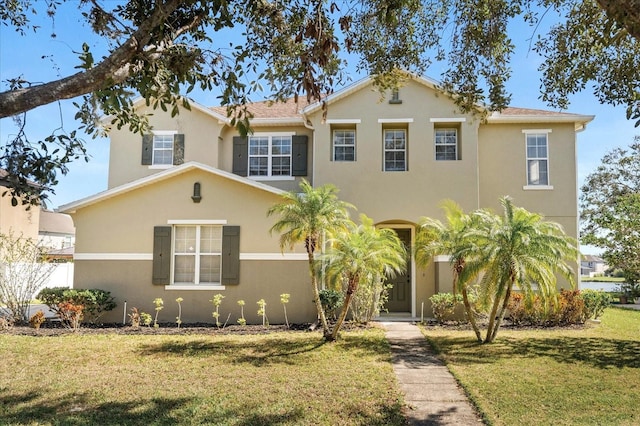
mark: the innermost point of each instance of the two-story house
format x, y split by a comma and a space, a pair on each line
184, 214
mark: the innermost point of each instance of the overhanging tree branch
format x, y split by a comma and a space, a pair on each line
114, 69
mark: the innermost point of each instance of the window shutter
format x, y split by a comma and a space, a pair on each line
147, 150
230, 255
161, 255
299, 156
178, 149
240, 155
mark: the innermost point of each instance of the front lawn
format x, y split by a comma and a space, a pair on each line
280, 378
588, 376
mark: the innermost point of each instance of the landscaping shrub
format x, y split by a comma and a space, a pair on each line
595, 302
95, 302
571, 308
444, 306
368, 300
566, 309
331, 300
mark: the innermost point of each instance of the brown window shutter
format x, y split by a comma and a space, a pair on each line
299, 156
241, 155
161, 255
147, 150
230, 255
178, 149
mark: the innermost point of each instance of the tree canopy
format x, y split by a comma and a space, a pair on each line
161, 50
610, 209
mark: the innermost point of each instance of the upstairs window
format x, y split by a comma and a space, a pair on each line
537, 159
269, 156
162, 150
395, 150
446, 144
344, 145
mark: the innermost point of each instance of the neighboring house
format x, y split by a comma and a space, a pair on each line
20, 220
592, 266
53, 231
184, 214
57, 234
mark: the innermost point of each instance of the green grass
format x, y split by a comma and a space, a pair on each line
282, 378
602, 279
588, 376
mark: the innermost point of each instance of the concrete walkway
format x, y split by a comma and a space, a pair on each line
432, 395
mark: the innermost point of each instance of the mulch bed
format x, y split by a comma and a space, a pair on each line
57, 329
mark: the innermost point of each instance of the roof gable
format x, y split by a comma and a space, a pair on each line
159, 177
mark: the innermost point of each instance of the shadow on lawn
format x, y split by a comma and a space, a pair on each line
255, 352
260, 352
75, 409
598, 352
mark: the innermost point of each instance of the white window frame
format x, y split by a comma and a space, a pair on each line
270, 156
162, 133
197, 253
385, 150
445, 144
537, 133
352, 146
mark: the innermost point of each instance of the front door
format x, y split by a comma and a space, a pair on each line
400, 292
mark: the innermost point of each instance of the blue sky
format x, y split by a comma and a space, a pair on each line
39, 58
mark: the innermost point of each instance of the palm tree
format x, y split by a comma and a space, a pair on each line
519, 248
435, 238
304, 217
365, 253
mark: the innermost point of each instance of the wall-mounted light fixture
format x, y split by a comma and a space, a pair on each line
196, 193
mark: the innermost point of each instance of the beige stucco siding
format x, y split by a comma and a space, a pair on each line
502, 165
201, 143
124, 224
116, 231
398, 195
131, 281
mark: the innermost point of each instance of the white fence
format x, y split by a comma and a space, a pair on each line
62, 276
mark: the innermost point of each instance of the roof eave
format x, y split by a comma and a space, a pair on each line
580, 121
107, 119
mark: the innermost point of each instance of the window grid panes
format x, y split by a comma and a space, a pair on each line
197, 254
344, 145
270, 156
537, 159
395, 150
162, 150
446, 141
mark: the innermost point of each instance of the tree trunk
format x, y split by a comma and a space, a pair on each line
505, 303
351, 288
471, 314
465, 299
492, 319
316, 295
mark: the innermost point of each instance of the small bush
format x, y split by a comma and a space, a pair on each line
444, 306
331, 300
71, 314
5, 323
37, 319
595, 302
95, 301
571, 308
